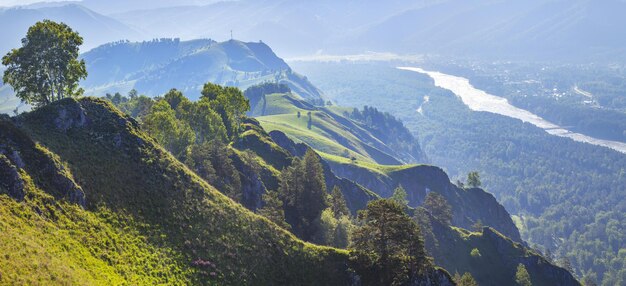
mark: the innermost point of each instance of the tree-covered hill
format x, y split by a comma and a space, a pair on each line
489, 256
471, 208
146, 217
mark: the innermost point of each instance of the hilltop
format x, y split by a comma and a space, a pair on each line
328, 130
155, 67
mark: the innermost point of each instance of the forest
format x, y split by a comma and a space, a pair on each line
562, 193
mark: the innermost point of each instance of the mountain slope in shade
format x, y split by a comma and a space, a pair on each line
495, 259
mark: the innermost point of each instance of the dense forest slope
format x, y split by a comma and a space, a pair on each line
155, 67
562, 193
93, 200
468, 205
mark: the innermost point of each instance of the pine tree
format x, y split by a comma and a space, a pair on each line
303, 190
399, 196
338, 203
473, 179
273, 209
522, 278
387, 249
438, 207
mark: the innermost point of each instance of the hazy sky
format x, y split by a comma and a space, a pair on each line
6, 3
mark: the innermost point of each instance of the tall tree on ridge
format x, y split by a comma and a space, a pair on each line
46, 68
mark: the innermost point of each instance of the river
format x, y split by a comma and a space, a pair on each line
479, 100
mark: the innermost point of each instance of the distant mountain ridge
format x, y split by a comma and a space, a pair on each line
156, 66
536, 29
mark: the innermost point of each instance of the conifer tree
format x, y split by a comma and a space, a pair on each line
338, 203
473, 180
522, 278
273, 209
387, 249
303, 190
438, 207
399, 195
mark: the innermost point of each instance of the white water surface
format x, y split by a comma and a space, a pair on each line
479, 100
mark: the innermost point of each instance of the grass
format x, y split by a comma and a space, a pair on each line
328, 132
371, 167
45, 241
147, 218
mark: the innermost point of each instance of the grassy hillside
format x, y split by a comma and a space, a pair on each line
147, 218
347, 147
327, 132
274, 152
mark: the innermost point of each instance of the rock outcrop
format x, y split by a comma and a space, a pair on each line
18, 151
10, 180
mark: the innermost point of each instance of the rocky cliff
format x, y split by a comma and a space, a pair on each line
488, 255
468, 205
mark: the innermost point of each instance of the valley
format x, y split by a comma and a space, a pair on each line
478, 100
552, 184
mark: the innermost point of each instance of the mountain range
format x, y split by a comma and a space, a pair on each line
491, 29
539, 29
